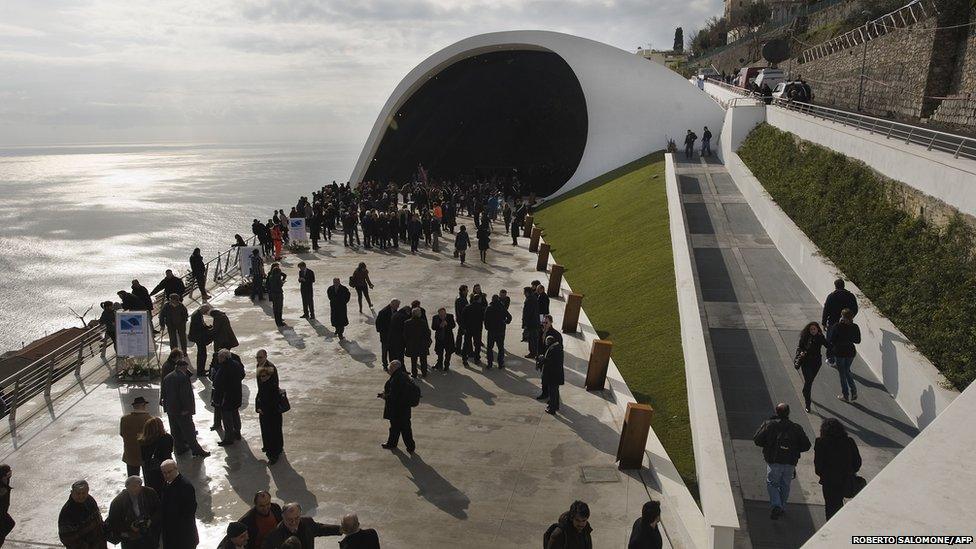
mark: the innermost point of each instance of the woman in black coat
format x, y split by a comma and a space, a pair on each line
484, 237
835, 460
156, 446
268, 402
808, 358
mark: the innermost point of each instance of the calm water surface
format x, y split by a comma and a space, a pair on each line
78, 223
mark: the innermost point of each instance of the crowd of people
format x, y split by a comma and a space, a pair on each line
160, 505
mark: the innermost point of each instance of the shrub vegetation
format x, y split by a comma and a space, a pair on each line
922, 277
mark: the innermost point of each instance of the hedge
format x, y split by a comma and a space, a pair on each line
921, 276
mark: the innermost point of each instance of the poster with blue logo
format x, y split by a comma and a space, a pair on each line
132, 333
296, 229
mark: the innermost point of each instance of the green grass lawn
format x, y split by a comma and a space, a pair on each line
618, 255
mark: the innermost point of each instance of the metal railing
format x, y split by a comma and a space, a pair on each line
25, 387
902, 17
958, 146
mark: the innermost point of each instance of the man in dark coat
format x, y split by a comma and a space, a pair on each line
294, 524
170, 284
530, 322
553, 374
383, 319
460, 302
472, 321
261, 519
179, 509
228, 385
199, 270
543, 298
305, 280
174, 316
394, 334
223, 334
518, 220
80, 521
338, 300
416, 339
130, 301
837, 301
573, 530
443, 325
176, 396
396, 407
782, 442
276, 291
236, 538
201, 335
497, 318
356, 537
134, 516
142, 293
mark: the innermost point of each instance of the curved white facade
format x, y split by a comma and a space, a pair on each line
632, 104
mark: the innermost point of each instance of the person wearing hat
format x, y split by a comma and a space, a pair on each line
130, 427
236, 537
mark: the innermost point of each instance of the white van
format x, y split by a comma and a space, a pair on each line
770, 77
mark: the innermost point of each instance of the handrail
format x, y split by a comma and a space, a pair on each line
40, 375
956, 145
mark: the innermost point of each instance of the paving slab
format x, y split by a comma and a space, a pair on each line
491, 470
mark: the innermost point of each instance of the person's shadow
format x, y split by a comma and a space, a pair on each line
292, 486
245, 473
435, 488
358, 353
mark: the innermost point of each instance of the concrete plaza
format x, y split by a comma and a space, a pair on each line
491, 468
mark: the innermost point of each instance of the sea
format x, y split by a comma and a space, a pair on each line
78, 223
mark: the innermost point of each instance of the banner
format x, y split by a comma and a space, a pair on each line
296, 229
245, 259
132, 334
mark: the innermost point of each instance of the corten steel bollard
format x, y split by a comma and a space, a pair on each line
571, 313
633, 435
596, 370
527, 227
555, 280
543, 260
534, 239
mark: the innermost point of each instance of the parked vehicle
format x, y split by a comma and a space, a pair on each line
709, 72
795, 90
770, 77
746, 77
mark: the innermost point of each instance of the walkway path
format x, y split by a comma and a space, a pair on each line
754, 307
491, 470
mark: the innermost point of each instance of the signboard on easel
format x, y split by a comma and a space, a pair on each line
133, 337
245, 259
296, 229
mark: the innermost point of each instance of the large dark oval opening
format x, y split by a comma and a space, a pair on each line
502, 113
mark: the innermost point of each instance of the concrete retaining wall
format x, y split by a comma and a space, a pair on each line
937, 174
711, 466
910, 378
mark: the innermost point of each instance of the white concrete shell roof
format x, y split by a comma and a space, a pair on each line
632, 103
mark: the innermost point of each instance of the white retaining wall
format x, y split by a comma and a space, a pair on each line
910, 378
711, 466
935, 173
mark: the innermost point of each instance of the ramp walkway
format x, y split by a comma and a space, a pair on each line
753, 307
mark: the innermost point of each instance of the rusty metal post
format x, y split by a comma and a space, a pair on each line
555, 280
633, 435
572, 312
543, 261
596, 370
534, 239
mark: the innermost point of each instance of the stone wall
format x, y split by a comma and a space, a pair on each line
960, 108
894, 68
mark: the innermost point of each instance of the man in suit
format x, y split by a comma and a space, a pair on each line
174, 315
276, 291
459, 304
497, 319
201, 335
142, 293
383, 319
305, 280
176, 394
530, 321
396, 407
518, 220
443, 326
179, 509
472, 322
228, 385
294, 524
356, 537
170, 284
338, 300
553, 374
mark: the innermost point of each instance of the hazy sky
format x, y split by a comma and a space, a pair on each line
80, 71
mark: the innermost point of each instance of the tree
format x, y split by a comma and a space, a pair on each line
752, 16
679, 39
